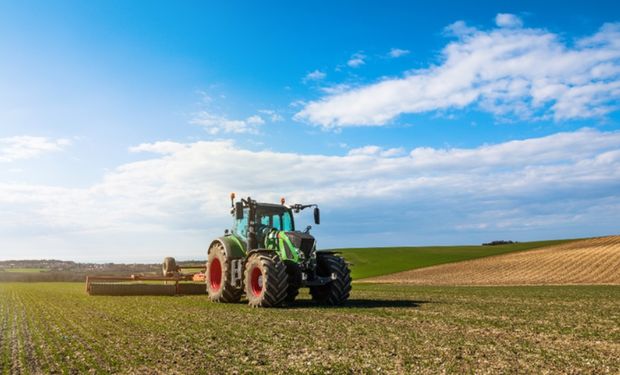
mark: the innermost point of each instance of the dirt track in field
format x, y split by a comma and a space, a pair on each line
591, 261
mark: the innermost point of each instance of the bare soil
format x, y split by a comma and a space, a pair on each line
590, 261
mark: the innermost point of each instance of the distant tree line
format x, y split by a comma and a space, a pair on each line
57, 270
500, 242
41, 276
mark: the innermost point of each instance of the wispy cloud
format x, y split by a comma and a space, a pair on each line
397, 52
508, 20
28, 147
357, 60
509, 71
533, 184
373, 150
315, 75
217, 124
274, 116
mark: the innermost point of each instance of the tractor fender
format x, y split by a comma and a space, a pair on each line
232, 246
261, 251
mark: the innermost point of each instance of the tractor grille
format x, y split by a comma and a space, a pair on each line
303, 241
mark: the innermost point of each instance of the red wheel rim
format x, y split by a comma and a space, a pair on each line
215, 275
256, 281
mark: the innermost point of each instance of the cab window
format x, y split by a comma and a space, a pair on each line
282, 221
287, 222
276, 222
241, 226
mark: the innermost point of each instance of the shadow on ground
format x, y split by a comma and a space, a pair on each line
364, 304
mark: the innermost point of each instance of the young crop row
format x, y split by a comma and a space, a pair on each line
58, 328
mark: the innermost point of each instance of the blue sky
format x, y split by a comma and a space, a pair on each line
124, 126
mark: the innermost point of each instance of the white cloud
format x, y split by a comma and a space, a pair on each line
336, 89
28, 147
255, 120
180, 194
397, 52
508, 20
216, 124
356, 60
508, 71
273, 115
316, 75
373, 150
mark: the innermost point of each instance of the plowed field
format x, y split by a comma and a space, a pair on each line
590, 261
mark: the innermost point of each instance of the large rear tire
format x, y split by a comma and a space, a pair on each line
219, 286
337, 291
265, 280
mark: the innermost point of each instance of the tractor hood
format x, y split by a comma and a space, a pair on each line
292, 246
303, 242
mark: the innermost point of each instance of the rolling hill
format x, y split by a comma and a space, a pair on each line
589, 261
369, 262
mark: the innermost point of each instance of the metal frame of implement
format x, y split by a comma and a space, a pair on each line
134, 285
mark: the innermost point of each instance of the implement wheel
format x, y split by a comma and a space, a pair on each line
337, 291
169, 267
265, 280
219, 285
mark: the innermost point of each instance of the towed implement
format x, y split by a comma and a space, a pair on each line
172, 281
263, 257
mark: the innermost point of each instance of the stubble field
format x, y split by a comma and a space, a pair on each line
57, 328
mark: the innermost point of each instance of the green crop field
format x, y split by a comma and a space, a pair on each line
25, 270
58, 328
369, 262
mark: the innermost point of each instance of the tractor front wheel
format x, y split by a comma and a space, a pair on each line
294, 282
219, 286
337, 291
265, 280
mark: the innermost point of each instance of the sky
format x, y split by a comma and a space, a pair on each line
124, 126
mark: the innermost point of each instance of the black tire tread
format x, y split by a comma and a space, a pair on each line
229, 293
336, 292
275, 283
294, 283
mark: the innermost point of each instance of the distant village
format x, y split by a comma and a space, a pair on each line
60, 270
63, 270
63, 265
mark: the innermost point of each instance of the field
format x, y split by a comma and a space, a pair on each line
25, 270
56, 327
590, 261
369, 262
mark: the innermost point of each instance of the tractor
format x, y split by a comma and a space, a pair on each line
264, 257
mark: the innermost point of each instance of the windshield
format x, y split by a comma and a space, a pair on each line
280, 221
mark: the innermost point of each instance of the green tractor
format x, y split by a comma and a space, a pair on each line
268, 260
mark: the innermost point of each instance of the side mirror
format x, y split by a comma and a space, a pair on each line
317, 216
239, 210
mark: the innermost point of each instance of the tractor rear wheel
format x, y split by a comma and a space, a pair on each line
219, 286
265, 280
337, 291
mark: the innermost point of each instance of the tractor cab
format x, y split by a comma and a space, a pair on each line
266, 217
272, 226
